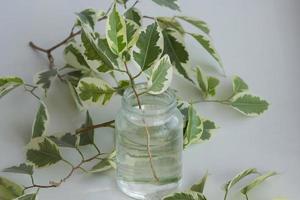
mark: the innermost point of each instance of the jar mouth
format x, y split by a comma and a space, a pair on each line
151, 104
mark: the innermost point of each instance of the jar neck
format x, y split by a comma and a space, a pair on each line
152, 105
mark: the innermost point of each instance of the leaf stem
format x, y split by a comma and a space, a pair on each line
85, 129
146, 128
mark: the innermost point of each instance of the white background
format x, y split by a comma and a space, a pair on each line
258, 40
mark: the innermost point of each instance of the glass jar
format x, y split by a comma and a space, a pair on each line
149, 144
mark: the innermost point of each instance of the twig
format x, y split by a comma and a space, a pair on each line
146, 128
85, 129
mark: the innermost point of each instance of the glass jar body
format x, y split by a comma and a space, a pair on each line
148, 144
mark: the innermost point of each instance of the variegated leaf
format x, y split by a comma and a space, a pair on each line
10, 190
172, 4
196, 22
199, 187
132, 33
170, 22
75, 96
21, 169
176, 50
9, 83
194, 127
41, 121
185, 196
43, 79
248, 104
149, 47
42, 152
32, 196
67, 140
208, 129
94, 91
87, 137
239, 85
74, 56
208, 46
212, 84
116, 32
161, 76
91, 15
135, 15
102, 166
207, 85
257, 181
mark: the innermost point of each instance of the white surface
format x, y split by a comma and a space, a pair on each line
258, 40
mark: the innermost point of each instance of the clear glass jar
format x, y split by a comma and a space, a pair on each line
148, 144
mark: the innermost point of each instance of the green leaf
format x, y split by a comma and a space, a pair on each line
21, 169
149, 45
212, 84
116, 32
199, 187
257, 181
7, 84
102, 166
208, 128
41, 121
194, 127
43, 79
196, 22
248, 104
32, 196
73, 55
96, 50
202, 81
170, 22
239, 85
75, 96
208, 46
134, 14
87, 137
67, 140
9, 190
238, 178
161, 76
91, 16
42, 152
132, 33
168, 3
185, 196
94, 91
177, 52
122, 86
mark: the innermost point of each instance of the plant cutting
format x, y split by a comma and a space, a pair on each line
135, 58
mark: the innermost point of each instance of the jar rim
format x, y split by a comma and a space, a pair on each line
141, 87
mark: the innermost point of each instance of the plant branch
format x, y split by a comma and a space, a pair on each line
102, 125
146, 128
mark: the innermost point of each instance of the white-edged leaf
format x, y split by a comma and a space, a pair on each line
238, 178
248, 104
102, 166
148, 47
199, 187
239, 85
177, 52
202, 25
44, 78
116, 32
42, 152
21, 169
132, 33
161, 76
208, 129
96, 51
91, 15
41, 121
170, 22
9, 190
194, 127
94, 91
32, 196
9, 83
202, 81
73, 56
172, 4
257, 181
190, 195
67, 140
135, 15
75, 96
87, 137
212, 84
208, 46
